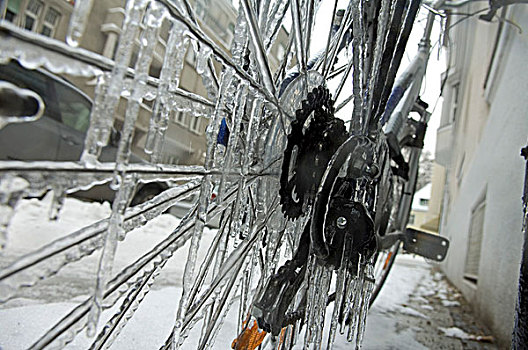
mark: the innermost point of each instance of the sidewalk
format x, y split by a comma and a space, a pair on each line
427, 314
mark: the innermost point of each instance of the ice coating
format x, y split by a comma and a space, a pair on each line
128, 307
114, 233
57, 57
122, 282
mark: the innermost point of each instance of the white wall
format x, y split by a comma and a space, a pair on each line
495, 171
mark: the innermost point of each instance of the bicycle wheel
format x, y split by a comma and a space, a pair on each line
251, 107
383, 266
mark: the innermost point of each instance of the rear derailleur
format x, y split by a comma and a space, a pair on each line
342, 231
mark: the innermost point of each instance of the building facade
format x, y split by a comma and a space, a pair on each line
419, 209
484, 125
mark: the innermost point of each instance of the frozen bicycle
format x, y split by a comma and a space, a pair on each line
262, 111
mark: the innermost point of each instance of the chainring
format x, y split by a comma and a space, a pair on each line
315, 144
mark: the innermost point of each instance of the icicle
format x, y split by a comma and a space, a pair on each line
11, 190
326, 278
246, 293
314, 272
115, 232
176, 50
91, 148
149, 39
112, 92
78, 21
232, 145
354, 307
202, 68
340, 288
252, 133
240, 40
368, 287
59, 192
188, 274
275, 22
350, 292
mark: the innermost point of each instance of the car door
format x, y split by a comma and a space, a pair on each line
36, 140
75, 109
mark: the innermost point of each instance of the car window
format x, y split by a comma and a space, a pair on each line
74, 108
24, 78
32, 80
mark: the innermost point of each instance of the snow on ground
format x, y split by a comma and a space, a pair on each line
25, 319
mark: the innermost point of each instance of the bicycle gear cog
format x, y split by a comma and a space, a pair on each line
308, 151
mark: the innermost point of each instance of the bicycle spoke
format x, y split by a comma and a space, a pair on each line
258, 46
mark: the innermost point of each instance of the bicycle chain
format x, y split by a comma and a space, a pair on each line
315, 144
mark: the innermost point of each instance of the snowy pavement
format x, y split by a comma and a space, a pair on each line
416, 309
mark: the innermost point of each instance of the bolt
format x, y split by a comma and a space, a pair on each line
341, 222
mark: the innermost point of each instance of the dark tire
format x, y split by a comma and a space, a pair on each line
145, 193
384, 261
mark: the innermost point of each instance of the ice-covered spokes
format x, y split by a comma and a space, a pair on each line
273, 302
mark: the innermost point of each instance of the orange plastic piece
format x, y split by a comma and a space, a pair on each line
387, 260
249, 339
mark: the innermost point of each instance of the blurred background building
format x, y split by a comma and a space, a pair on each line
185, 137
479, 176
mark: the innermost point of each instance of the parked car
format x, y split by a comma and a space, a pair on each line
59, 134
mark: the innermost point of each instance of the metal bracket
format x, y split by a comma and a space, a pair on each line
425, 244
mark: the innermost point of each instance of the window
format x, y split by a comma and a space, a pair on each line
51, 19
74, 108
194, 124
12, 9
32, 14
424, 201
411, 219
179, 118
476, 227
